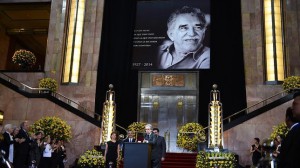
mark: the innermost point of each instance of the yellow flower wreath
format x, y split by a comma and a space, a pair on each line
190, 135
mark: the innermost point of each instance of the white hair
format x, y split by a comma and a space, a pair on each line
7, 127
148, 126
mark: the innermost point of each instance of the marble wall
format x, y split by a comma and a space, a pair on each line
18, 108
252, 28
238, 139
84, 91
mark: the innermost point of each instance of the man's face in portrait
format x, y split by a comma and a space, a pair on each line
187, 33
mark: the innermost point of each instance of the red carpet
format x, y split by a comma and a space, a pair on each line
180, 160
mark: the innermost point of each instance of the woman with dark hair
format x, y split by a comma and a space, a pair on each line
46, 160
58, 154
256, 152
112, 151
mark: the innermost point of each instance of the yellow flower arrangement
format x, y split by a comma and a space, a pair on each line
24, 58
190, 135
53, 126
91, 159
290, 83
215, 159
48, 83
280, 129
137, 127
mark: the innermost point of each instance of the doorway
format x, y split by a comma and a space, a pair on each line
168, 106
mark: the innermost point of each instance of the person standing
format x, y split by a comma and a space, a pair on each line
112, 151
256, 152
130, 137
149, 136
22, 147
36, 149
8, 143
63, 154
185, 50
296, 106
159, 150
290, 146
46, 160
276, 153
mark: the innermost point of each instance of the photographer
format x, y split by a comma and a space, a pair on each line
256, 152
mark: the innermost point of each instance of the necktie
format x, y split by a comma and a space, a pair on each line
130, 140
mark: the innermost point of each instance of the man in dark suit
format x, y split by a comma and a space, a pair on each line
22, 148
290, 147
159, 150
149, 137
130, 138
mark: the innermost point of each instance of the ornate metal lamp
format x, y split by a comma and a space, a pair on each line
215, 120
108, 115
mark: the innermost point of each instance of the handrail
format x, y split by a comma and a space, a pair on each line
59, 96
90, 112
264, 102
21, 85
247, 109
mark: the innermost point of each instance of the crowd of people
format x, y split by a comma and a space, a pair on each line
23, 149
285, 149
113, 147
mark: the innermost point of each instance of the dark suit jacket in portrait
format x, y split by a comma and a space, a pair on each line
290, 149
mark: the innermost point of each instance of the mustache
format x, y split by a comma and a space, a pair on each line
191, 38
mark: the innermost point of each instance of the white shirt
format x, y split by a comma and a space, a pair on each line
48, 151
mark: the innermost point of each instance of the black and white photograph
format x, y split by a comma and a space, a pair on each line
172, 35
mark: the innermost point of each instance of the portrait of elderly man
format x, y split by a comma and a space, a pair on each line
185, 49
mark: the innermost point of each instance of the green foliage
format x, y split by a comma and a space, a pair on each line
53, 126
291, 83
48, 83
280, 129
91, 159
190, 135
